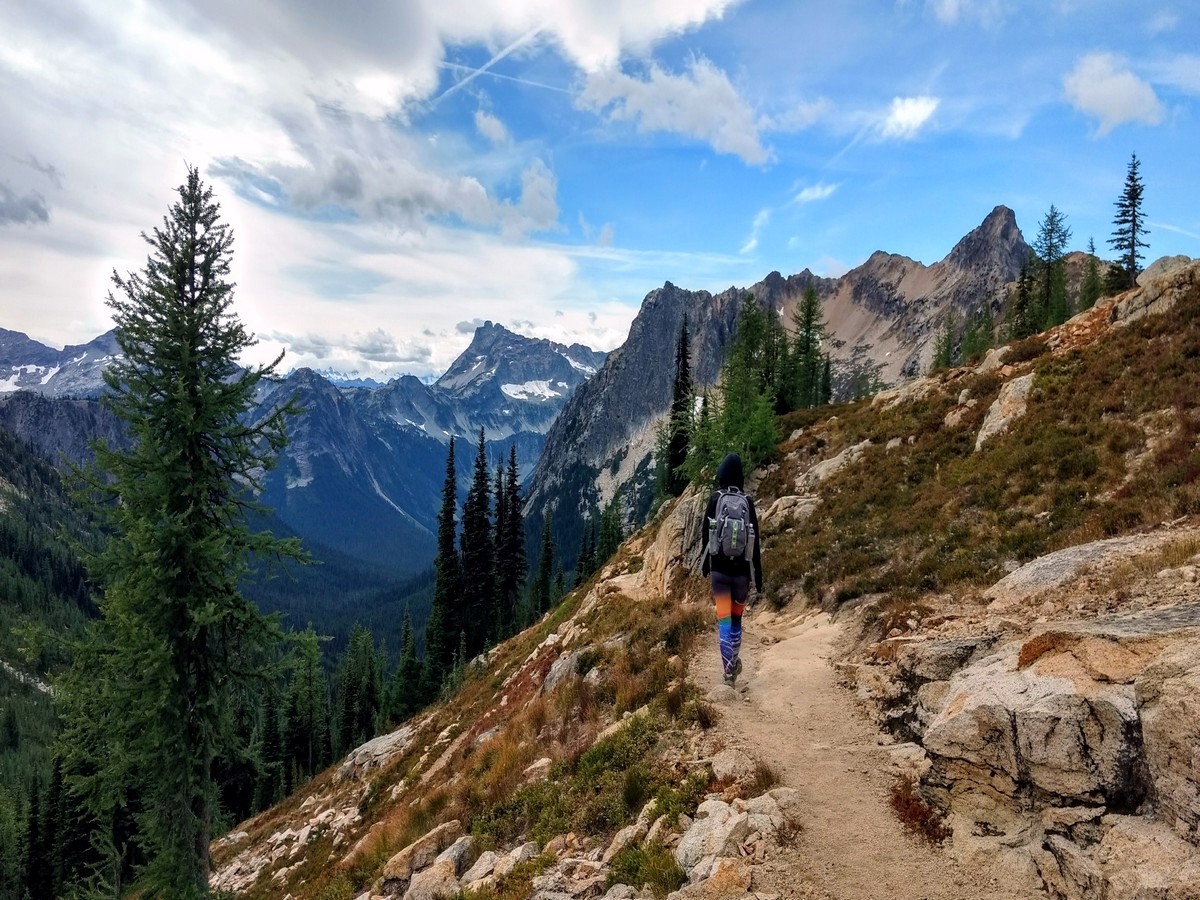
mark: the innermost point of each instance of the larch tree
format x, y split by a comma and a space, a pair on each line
1130, 225
1051, 248
148, 701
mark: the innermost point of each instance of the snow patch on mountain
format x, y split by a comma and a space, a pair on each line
532, 390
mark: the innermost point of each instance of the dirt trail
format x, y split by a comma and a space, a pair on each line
790, 711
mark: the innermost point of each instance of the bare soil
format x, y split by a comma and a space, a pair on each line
790, 711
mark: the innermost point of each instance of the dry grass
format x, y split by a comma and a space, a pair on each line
915, 814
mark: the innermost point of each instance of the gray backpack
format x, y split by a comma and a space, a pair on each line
730, 533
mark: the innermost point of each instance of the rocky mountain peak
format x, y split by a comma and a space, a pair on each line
996, 246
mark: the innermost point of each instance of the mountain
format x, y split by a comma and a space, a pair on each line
998, 564
74, 371
362, 473
881, 316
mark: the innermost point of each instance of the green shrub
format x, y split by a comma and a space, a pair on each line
650, 864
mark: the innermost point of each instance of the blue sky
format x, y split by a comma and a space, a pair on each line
396, 174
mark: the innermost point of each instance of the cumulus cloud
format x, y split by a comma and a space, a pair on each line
466, 327
22, 209
491, 127
815, 192
1104, 87
907, 116
700, 103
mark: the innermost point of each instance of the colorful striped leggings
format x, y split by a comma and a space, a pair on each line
729, 595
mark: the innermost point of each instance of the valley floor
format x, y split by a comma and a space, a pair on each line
791, 712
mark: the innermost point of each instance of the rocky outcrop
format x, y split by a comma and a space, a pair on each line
1157, 294
1064, 757
1005, 409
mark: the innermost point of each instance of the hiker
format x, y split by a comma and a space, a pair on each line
731, 555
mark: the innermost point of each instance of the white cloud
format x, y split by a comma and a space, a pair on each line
1102, 86
756, 227
701, 103
491, 127
907, 116
815, 192
606, 235
1181, 71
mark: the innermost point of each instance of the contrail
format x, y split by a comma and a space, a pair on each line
475, 73
459, 67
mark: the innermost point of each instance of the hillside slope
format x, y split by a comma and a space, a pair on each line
1009, 554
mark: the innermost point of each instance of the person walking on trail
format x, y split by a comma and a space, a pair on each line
729, 533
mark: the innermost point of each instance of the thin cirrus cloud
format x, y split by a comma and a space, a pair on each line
814, 192
700, 103
760, 222
1103, 87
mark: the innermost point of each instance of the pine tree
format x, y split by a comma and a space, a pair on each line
1020, 319
827, 381
681, 414
612, 529
269, 788
359, 690
1051, 248
441, 628
1130, 225
541, 593
1093, 285
478, 557
510, 546
149, 702
306, 737
405, 695
38, 873
809, 330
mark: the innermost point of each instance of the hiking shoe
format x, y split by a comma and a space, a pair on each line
737, 668
729, 680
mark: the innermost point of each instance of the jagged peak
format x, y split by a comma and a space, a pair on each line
997, 240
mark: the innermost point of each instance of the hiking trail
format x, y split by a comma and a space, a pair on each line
790, 711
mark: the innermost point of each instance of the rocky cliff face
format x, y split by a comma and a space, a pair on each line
884, 313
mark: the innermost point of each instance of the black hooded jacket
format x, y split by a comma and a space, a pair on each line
730, 474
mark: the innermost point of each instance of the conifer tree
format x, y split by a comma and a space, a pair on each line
540, 594
478, 557
149, 702
511, 564
441, 628
1093, 285
269, 787
1051, 248
38, 843
306, 737
681, 415
612, 529
359, 690
809, 328
406, 683
827, 381
1020, 320
1130, 225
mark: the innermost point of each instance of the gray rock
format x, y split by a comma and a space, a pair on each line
718, 831
418, 855
524, 853
482, 867
458, 853
438, 882
1005, 409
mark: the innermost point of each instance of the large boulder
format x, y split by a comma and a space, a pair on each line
418, 855
438, 882
718, 830
1009, 406
1168, 694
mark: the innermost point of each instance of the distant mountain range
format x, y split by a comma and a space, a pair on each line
363, 471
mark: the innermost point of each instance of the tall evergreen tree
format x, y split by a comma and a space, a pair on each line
441, 628
38, 847
1130, 224
269, 788
681, 414
612, 529
306, 737
478, 557
511, 564
406, 683
149, 702
1051, 248
808, 332
1093, 285
359, 690
1021, 317
542, 586
827, 381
